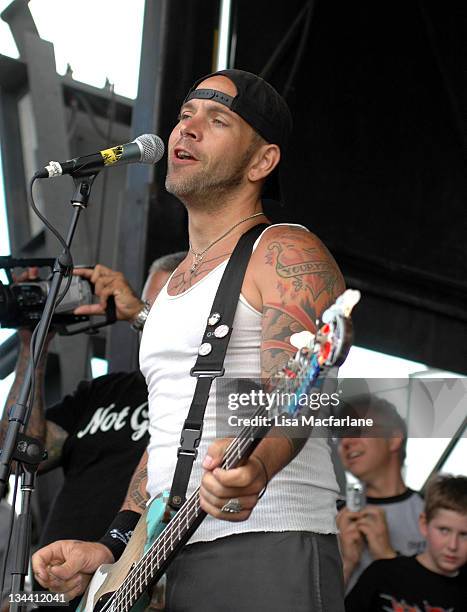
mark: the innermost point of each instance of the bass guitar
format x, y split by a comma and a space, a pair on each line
161, 533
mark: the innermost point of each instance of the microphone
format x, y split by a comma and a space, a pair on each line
147, 149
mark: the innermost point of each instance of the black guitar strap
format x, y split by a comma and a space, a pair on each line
210, 361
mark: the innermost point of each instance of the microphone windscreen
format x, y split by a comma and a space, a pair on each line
152, 148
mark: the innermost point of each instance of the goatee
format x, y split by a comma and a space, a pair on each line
205, 186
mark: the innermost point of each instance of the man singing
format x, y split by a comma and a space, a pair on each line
278, 553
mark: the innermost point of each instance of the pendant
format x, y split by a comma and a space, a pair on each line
196, 262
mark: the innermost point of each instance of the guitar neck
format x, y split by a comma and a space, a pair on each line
154, 563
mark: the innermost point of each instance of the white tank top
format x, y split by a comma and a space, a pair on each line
302, 496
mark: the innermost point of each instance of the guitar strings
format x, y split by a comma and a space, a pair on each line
191, 507
189, 510
184, 513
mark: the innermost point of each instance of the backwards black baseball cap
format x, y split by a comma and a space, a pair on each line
257, 102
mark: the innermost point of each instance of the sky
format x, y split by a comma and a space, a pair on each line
101, 39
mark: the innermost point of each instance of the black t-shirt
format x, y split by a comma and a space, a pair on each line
403, 584
107, 422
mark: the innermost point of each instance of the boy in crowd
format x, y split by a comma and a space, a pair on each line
431, 581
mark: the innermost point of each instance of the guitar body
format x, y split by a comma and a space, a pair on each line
110, 577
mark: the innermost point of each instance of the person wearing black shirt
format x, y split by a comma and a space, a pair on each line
404, 584
432, 581
106, 423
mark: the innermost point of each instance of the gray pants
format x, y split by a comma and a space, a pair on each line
258, 572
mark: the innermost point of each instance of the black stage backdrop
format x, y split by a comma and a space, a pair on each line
377, 161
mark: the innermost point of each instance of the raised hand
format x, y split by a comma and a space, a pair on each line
108, 282
351, 540
372, 524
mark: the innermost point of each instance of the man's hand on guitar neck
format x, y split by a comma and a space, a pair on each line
67, 566
243, 484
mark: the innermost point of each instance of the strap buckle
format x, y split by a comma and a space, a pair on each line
206, 373
189, 442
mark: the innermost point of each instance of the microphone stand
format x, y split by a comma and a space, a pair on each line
27, 451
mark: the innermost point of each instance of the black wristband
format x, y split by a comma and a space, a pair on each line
117, 535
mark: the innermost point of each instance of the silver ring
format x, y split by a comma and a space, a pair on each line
233, 506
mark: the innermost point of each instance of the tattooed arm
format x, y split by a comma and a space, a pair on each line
298, 279
36, 426
137, 496
292, 278
47, 432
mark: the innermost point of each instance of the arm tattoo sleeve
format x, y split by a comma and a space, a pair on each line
303, 280
137, 496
